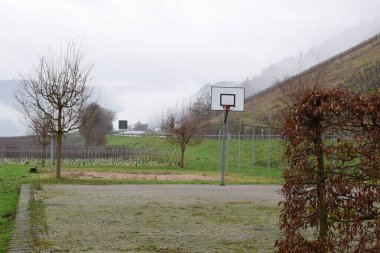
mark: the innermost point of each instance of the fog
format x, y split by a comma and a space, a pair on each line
150, 54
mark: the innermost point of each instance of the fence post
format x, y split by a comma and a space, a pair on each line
269, 139
239, 155
253, 140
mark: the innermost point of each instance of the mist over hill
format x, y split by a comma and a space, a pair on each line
10, 125
292, 65
7, 91
207, 87
295, 64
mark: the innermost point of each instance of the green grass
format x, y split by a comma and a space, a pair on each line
204, 158
11, 178
38, 224
137, 142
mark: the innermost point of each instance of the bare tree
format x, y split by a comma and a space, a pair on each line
290, 91
202, 106
182, 130
366, 80
41, 133
57, 92
96, 124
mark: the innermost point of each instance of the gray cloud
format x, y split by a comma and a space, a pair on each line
168, 49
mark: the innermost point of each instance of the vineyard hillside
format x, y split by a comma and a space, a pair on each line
332, 72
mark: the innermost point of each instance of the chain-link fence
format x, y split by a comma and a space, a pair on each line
103, 155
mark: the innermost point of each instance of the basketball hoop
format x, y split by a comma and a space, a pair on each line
226, 107
226, 99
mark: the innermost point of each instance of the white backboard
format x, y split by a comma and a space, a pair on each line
231, 96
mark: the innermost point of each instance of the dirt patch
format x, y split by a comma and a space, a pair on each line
115, 175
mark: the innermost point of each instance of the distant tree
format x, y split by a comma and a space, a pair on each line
182, 130
56, 92
40, 131
202, 106
96, 123
365, 80
168, 123
290, 91
41, 134
140, 126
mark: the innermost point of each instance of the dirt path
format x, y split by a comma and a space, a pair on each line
266, 193
115, 175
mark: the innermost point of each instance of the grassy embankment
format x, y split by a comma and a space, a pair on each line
11, 178
203, 159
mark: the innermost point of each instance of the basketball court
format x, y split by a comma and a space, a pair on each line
161, 218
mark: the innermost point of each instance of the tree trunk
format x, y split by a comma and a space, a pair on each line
321, 192
59, 152
43, 155
182, 161
59, 144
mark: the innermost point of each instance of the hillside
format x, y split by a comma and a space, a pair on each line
291, 65
333, 72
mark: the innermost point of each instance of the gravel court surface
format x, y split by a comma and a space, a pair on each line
161, 218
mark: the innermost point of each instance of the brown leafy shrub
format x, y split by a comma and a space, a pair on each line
332, 183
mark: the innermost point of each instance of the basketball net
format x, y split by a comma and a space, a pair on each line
226, 107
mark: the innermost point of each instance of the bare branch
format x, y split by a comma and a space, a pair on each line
55, 94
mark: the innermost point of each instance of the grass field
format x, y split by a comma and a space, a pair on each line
205, 157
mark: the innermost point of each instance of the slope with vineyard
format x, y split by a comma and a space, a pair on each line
332, 72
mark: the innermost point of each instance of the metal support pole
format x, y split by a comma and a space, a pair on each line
239, 154
219, 143
253, 140
269, 139
228, 146
223, 150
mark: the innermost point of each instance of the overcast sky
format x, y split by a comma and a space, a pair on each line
150, 54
